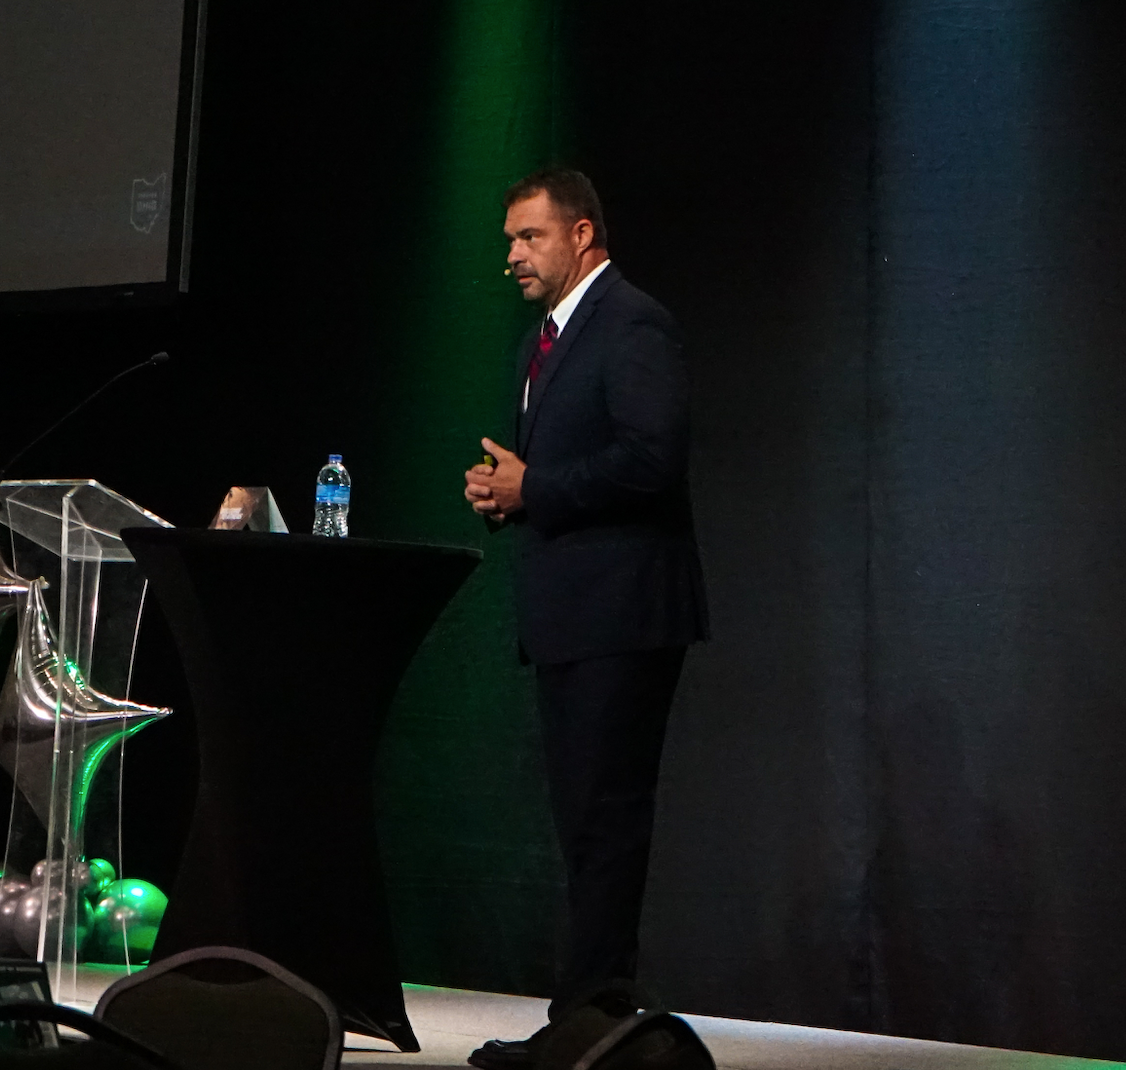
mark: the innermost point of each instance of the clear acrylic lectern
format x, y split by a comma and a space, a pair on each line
76, 646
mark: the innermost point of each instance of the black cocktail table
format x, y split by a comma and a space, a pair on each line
293, 646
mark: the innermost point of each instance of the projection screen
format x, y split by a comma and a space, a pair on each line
96, 142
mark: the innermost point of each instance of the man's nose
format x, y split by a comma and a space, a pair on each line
514, 256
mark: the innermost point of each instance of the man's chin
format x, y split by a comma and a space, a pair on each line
534, 291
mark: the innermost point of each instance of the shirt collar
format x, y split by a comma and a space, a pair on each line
563, 311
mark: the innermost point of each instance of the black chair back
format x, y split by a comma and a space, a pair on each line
225, 1008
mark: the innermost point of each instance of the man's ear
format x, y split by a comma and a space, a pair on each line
584, 235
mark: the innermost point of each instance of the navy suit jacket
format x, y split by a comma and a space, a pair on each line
606, 558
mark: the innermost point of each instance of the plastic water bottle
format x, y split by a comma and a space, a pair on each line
334, 488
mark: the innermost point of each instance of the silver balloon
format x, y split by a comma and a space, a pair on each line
12, 589
81, 876
28, 712
13, 886
28, 917
25, 923
12, 889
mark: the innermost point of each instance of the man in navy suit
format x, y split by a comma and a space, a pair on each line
609, 591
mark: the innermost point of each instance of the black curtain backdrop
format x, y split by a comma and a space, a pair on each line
735, 169
997, 592
895, 236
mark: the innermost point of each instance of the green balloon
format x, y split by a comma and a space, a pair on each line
127, 917
85, 922
103, 875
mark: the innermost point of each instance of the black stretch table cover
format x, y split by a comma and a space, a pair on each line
293, 646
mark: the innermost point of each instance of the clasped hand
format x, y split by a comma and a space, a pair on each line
495, 492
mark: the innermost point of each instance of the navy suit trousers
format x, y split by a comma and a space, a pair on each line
603, 722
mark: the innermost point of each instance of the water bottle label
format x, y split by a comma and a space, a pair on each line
330, 494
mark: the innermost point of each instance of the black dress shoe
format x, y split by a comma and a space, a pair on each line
509, 1054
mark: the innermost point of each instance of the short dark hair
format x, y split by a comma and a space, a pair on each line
570, 191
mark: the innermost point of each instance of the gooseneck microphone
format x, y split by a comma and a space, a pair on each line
156, 358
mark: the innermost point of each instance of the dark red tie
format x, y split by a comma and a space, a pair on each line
548, 333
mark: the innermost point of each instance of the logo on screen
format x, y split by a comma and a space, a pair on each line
148, 203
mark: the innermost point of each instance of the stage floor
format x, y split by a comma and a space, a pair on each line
451, 1023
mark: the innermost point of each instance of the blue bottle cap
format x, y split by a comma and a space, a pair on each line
334, 458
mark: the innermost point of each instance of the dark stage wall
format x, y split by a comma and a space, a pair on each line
894, 235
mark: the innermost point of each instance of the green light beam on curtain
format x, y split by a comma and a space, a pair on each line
493, 123
473, 876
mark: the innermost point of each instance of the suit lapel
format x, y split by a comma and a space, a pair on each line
563, 345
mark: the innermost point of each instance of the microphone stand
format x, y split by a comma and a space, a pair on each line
156, 358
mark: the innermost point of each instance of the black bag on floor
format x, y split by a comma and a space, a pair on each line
602, 1034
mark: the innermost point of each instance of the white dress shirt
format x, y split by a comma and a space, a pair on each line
562, 312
